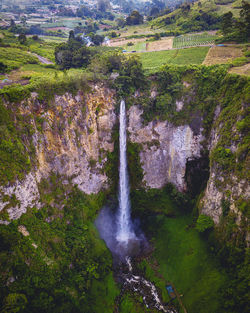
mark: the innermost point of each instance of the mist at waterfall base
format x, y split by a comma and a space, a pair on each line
107, 226
122, 236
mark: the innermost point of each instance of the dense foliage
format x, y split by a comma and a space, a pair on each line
237, 29
134, 18
59, 264
126, 71
74, 53
15, 151
190, 17
204, 223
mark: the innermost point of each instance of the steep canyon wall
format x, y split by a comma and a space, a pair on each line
72, 138
74, 134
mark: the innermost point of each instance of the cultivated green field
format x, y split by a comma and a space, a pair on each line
152, 61
139, 46
64, 22
14, 58
54, 39
193, 40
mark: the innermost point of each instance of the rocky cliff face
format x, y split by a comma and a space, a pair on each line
165, 149
72, 136
223, 185
72, 139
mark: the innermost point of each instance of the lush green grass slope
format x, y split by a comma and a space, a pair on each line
181, 256
185, 261
197, 16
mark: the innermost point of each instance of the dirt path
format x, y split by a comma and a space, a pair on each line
42, 59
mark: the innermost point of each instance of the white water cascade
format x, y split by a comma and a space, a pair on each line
124, 225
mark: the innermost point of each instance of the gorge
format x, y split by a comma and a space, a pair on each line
66, 153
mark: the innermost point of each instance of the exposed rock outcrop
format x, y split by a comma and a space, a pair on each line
221, 186
72, 138
165, 149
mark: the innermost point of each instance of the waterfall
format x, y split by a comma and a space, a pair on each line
125, 240
124, 225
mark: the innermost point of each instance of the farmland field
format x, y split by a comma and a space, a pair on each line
123, 43
222, 55
54, 39
63, 22
241, 70
152, 61
137, 30
139, 46
193, 40
158, 45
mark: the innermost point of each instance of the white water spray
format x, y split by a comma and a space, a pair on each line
124, 227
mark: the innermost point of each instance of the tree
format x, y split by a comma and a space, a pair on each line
97, 40
3, 67
134, 18
154, 11
13, 27
227, 23
204, 223
245, 18
72, 54
103, 5
14, 303
120, 22
22, 39
81, 57
24, 20
84, 11
71, 35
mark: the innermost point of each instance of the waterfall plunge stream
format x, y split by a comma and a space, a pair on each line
124, 240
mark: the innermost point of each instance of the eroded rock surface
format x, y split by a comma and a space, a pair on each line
165, 149
71, 139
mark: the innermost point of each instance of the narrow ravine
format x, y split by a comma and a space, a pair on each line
122, 238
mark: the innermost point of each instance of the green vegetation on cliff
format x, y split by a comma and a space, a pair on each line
16, 151
52, 259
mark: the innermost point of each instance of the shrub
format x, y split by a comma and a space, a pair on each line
204, 223
3, 67
240, 61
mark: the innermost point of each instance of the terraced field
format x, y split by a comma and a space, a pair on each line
193, 40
